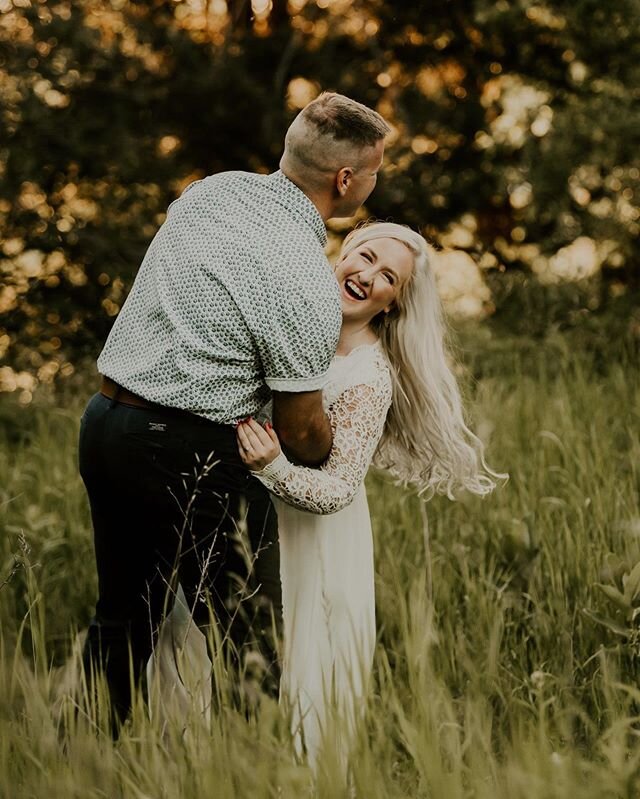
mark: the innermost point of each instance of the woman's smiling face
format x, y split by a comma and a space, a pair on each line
371, 277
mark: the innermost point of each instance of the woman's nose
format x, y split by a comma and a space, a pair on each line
365, 277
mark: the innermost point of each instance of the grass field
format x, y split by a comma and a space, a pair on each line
508, 650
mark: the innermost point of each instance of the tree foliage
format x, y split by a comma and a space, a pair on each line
515, 134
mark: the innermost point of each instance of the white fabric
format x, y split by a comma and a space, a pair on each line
328, 607
179, 670
326, 560
234, 297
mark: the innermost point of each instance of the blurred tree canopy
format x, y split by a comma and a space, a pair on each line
515, 136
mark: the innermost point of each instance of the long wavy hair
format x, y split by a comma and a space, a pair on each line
426, 442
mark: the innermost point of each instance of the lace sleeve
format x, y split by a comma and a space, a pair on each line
357, 420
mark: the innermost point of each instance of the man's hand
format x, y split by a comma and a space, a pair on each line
258, 445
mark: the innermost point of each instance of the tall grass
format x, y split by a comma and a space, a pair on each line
493, 677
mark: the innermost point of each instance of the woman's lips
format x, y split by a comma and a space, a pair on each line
354, 291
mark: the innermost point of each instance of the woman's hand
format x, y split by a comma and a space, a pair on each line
257, 445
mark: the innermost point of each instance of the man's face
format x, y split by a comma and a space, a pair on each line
362, 182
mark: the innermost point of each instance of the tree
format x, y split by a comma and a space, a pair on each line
516, 134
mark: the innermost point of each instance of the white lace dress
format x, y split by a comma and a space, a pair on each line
326, 567
326, 557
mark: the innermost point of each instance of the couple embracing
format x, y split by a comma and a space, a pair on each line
247, 387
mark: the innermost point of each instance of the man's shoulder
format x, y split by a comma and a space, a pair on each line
237, 192
235, 177
232, 198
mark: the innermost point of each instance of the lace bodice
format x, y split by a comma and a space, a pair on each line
356, 398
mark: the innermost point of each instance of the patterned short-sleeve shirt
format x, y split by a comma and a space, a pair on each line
234, 297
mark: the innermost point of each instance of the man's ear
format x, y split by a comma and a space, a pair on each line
343, 180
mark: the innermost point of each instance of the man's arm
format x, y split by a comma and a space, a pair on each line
302, 425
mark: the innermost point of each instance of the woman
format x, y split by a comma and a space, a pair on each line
393, 401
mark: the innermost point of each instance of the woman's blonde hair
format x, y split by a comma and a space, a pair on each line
426, 442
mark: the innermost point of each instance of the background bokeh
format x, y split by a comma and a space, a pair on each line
508, 641
514, 146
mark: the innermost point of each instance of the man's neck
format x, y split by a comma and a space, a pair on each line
323, 203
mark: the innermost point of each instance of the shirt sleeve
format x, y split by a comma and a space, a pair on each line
299, 338
357, 419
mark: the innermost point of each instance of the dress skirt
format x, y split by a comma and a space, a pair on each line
326, 567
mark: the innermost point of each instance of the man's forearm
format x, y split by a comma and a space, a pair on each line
309, 445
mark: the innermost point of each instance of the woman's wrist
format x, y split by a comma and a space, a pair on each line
275, 468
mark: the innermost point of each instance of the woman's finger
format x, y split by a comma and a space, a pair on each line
273, 436
251, 437
259, 432
243, 438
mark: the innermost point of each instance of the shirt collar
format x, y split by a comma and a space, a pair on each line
293, 198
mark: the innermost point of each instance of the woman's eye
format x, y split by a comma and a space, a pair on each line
389, 278
368, 257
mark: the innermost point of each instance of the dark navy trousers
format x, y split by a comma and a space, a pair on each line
172, 502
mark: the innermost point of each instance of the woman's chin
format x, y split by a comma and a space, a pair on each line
350, 309
355, 315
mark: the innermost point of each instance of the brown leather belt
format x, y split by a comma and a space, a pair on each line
112, 390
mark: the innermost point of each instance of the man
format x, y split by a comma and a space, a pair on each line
234, 304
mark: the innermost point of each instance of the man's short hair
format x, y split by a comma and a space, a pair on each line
344, 119
332, 131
